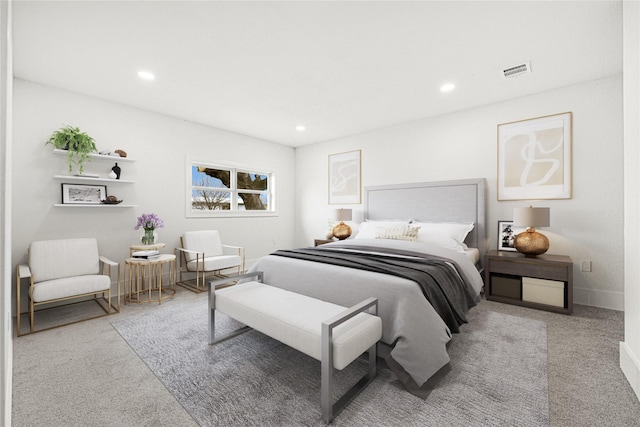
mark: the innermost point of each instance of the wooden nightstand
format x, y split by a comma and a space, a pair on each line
317, 242
544, 282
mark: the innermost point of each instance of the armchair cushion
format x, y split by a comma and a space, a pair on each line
215, 263
68, 287
57, 259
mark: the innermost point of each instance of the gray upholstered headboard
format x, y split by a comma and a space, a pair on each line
443, 201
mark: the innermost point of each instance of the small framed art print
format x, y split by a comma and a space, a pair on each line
82, 194
507, 234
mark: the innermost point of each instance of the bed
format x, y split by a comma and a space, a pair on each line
415, 335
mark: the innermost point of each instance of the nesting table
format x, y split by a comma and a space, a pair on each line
144, 279
141, 247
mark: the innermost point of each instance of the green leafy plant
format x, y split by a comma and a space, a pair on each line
78, 143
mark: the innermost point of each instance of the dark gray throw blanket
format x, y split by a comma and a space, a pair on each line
449, 295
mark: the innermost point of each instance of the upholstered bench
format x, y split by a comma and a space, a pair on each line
333, 334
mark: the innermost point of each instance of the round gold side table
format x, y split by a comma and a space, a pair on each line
143, 279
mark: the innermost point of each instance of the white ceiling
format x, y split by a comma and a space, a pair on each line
339, 68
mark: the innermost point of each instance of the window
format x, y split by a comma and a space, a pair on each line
217, 190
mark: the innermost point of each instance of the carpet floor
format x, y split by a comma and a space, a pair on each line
498, 374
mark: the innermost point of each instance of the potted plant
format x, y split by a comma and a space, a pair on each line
78, 143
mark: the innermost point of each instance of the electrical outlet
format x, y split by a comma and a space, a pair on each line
585, 265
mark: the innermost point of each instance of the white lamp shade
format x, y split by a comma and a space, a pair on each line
531, 217
342, 215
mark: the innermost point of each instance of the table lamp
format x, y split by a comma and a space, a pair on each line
530, 242
342, 230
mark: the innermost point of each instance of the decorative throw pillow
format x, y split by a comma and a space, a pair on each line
368, 229
397, 233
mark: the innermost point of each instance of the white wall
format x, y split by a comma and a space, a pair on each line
630, 348
160, 146
463, 145
6, 81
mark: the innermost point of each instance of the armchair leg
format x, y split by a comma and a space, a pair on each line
118, 296
31, 315
119, 293
18, 299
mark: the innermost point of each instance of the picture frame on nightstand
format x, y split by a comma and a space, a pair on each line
506, 235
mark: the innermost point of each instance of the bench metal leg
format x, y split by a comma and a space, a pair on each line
331, 410
212, 305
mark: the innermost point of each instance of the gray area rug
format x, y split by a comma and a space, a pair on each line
498, 375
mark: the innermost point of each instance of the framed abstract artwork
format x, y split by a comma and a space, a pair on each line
534, 158
344, 178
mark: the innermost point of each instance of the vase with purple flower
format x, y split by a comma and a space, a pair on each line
149, 222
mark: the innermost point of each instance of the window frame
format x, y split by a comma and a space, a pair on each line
233, 211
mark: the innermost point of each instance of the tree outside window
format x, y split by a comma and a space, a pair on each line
216, 189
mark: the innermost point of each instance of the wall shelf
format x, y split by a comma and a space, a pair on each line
80, 205
97, 156
88, 179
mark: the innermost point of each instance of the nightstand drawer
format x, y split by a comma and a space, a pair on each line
542, 291
516, 267
505, 286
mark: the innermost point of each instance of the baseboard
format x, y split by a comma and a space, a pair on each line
630, 366
597, 298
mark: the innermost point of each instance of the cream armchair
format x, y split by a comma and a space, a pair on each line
65, 269
202, 255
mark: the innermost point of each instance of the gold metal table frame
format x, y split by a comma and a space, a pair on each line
143, 279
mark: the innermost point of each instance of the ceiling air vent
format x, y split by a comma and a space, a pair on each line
518, 70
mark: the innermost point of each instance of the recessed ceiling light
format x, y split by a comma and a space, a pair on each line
301, 128
145, 75
447, 87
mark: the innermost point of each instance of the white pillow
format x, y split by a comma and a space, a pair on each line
368, 228
402, 232
441, 240
454, 230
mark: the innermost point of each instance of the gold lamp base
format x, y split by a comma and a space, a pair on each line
531, 243
342, 231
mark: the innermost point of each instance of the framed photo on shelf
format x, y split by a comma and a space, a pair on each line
83, 194
507, 234
344, 178
534, 158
